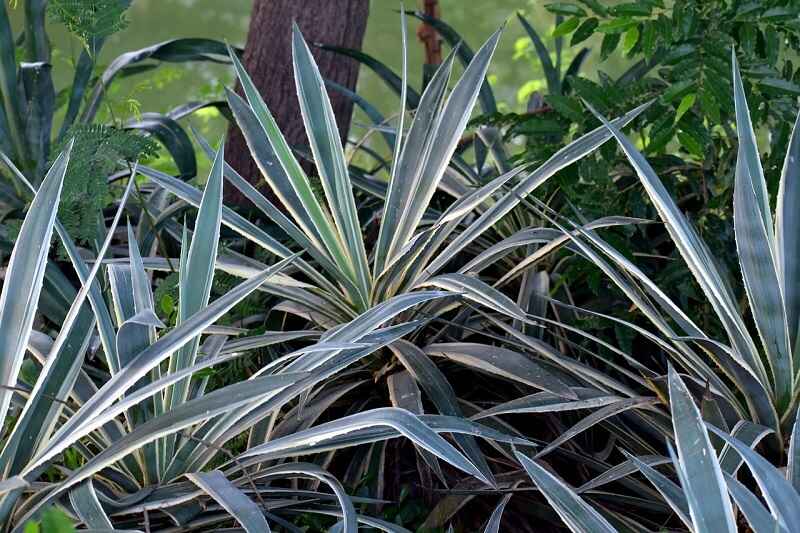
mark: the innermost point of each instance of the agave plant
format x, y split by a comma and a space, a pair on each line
751, 374
52, 415
709, 489
759, 371
483, 154
376, 308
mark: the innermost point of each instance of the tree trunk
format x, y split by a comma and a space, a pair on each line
428, 35
268, 59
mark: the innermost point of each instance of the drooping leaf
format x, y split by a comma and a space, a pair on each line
576, 513
245, 510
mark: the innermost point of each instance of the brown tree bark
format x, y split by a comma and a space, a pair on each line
428, 35
268, 59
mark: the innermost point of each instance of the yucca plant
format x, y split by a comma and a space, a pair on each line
710, 489
747, 381
113, 444
490, 147
751, 374
351, 278
63, 390
758, 372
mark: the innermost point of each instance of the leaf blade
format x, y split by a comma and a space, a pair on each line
242, 508
576, 513
24, 276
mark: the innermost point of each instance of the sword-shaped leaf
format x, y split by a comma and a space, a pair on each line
154, 354
504, 363
782, 500
24, 275
754, 243
198, 273
703, 483
753, 510
787, 238
400, 420
326, 145
242, 508
695, 252
578, 515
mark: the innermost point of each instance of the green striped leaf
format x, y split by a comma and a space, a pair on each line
397, 419
504, 363
579, 516
696, 254
787, 239
84, 500
751, 507
703, 483
196, 276
326, 145
242, 508
782, 500
152, 356
24, 275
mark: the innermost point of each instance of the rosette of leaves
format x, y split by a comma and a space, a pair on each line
98, 152
679, 56
597, 182
120, 446
380, 269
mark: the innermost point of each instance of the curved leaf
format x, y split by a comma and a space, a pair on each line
505, 363
172, 51
759, 518
400, 420
172, 136
242, 508
579, 516
84, 500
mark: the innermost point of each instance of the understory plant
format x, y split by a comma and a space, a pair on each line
113, 443
752, 373
381, 270
745, 381
37, 118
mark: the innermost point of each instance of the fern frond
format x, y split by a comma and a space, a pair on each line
89, 19
99, 151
